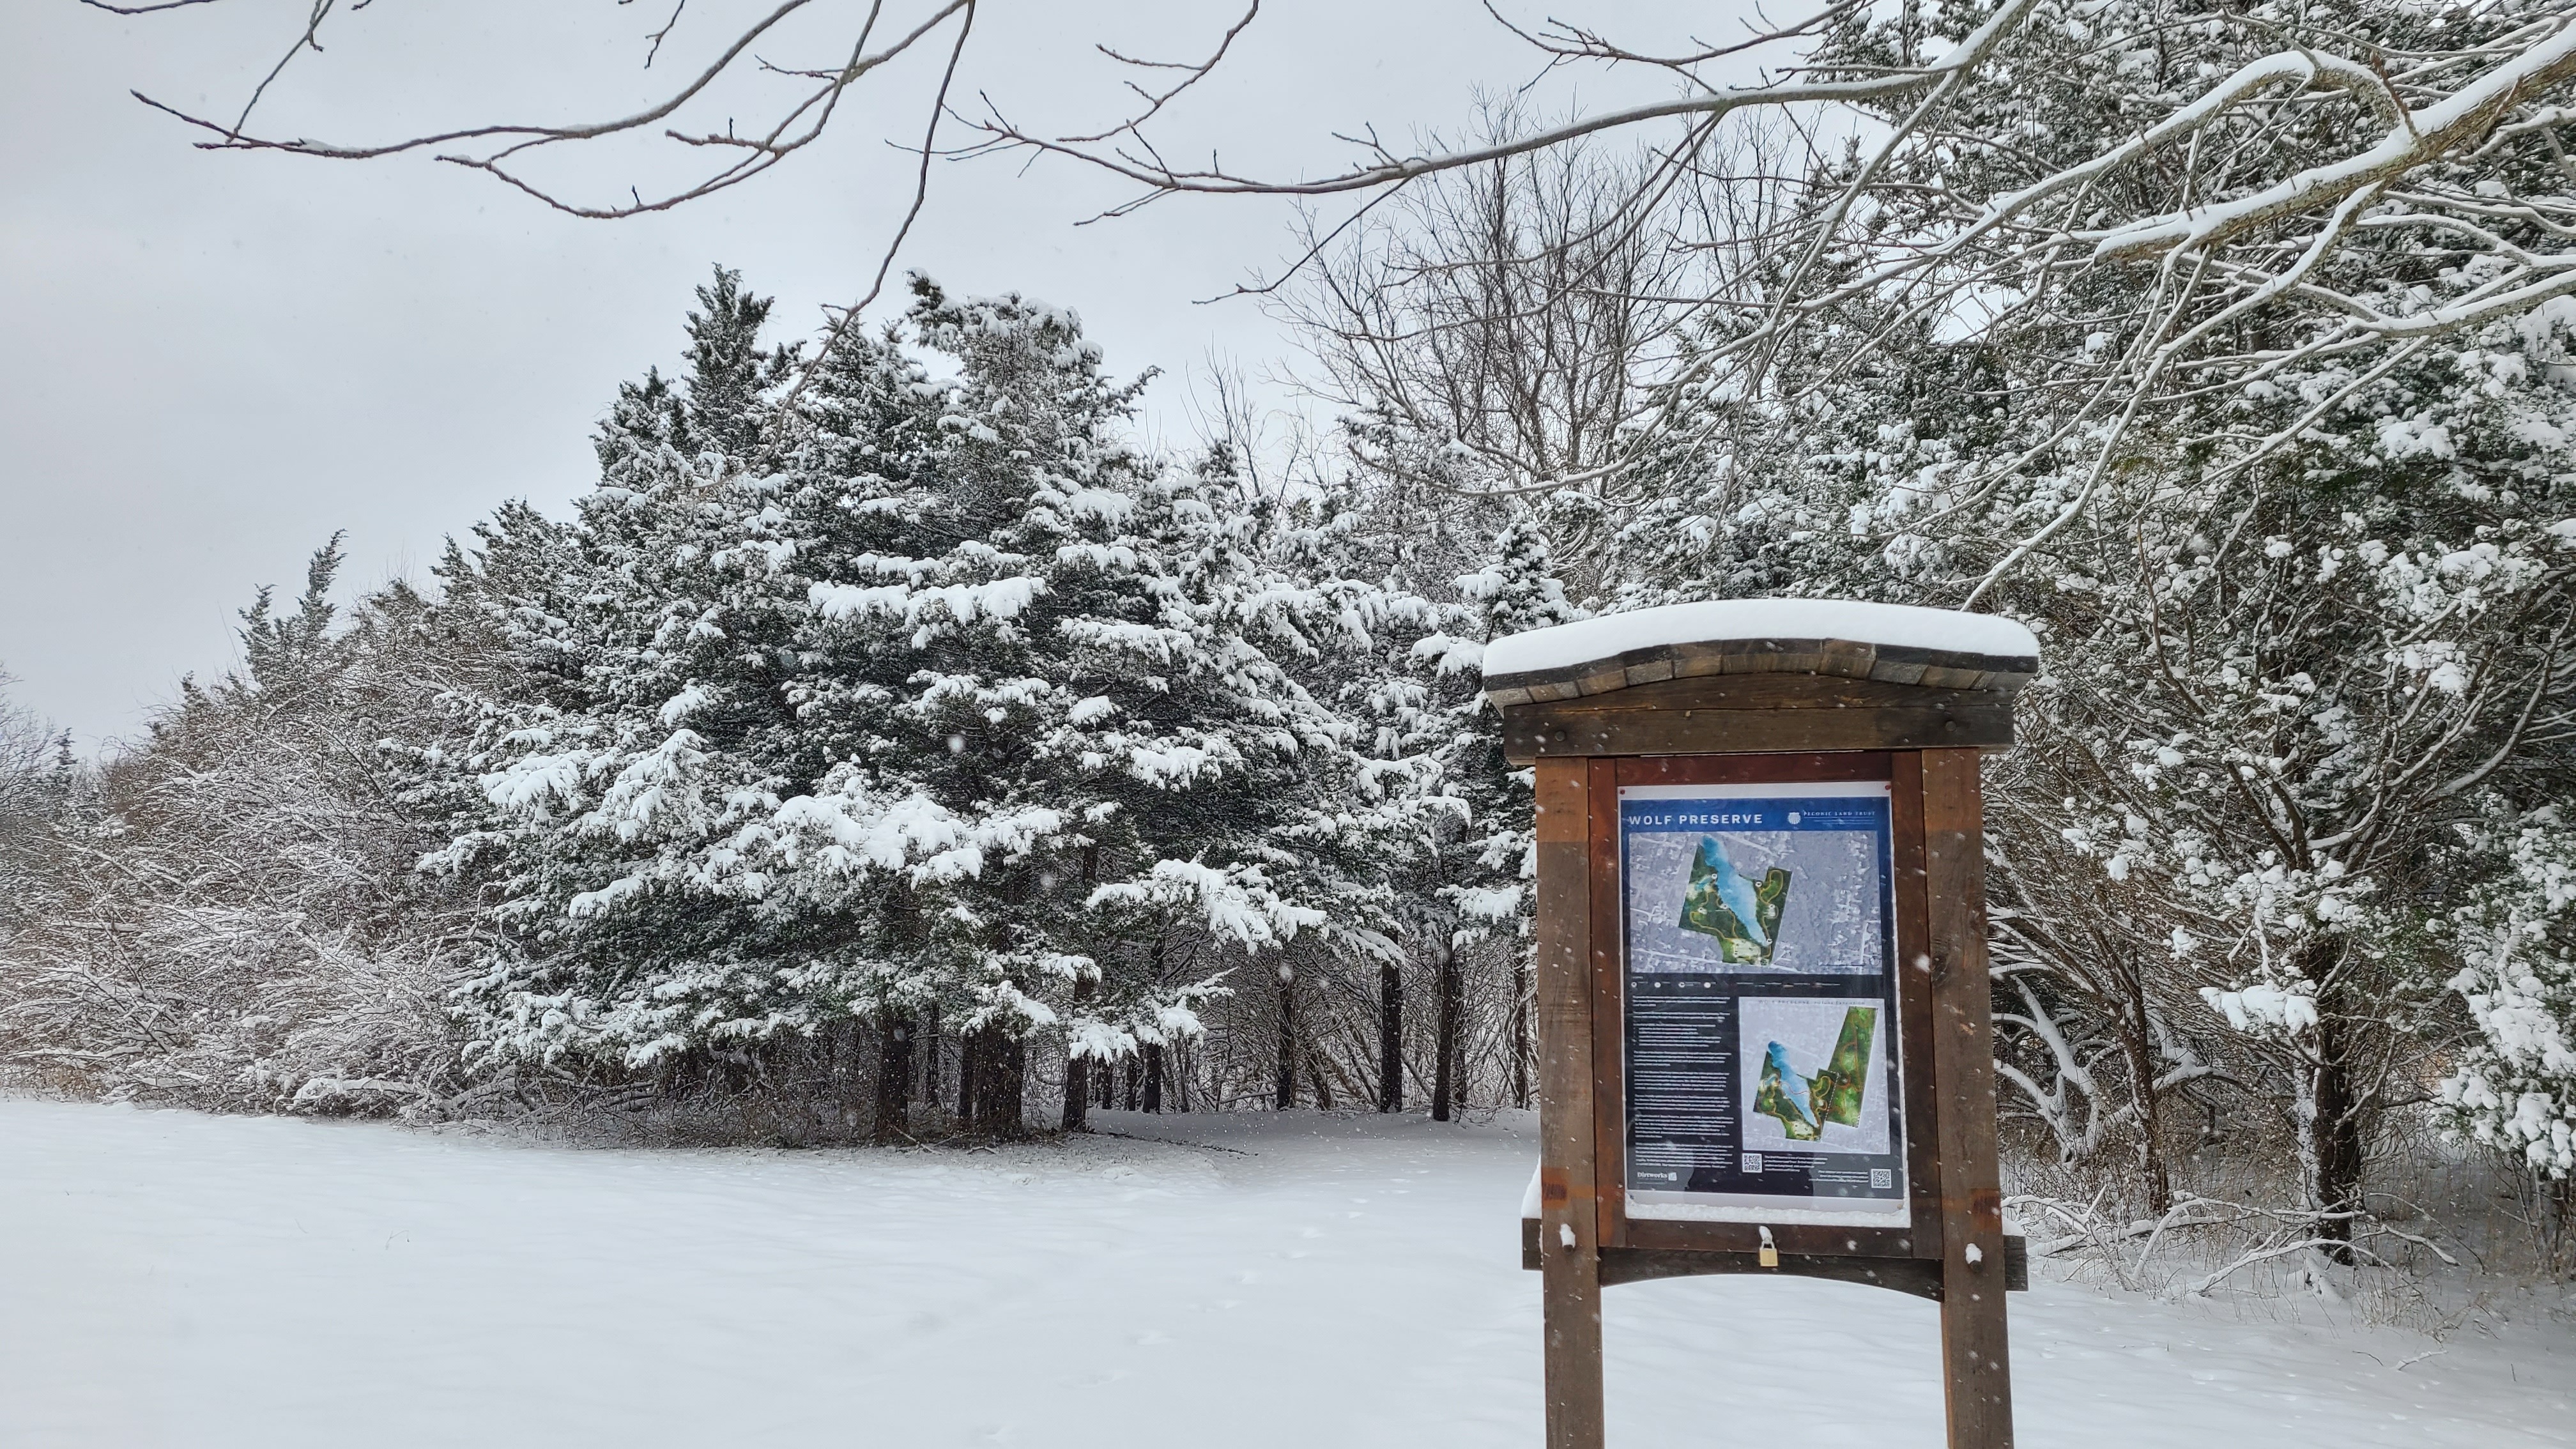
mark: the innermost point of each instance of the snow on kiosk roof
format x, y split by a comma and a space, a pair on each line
1761, 674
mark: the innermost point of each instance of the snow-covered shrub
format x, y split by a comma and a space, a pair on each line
226, 914
41, 791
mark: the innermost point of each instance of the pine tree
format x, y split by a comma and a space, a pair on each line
1495, 861
1476, 859
2514, 1088
946, 701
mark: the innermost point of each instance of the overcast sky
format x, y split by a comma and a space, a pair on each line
213, 361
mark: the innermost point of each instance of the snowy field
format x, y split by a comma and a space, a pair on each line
181, 1280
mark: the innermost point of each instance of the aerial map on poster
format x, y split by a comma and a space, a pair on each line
1762, 1077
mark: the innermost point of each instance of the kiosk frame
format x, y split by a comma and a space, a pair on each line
1774, 711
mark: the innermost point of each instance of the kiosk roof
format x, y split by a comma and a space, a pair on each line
1893, 643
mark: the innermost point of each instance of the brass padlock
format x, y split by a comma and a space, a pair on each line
1770, 1250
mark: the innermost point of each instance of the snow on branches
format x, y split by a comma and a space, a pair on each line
948, 703
2515, 1087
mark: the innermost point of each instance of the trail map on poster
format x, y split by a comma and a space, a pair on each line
1762, 1076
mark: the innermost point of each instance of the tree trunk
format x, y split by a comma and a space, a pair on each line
1181, 1076
1444, 1074
1286, 1095
2328, 1102
1077, 1093
1104, 1081
998, 1064
1153, 1078
970, 1073
1521, 1029
1010, 1102
1390, 1037
2137, 1042
1077, 1075
1077, 1068
1135, 1079
894, 1077
930, 1065
2330, 1150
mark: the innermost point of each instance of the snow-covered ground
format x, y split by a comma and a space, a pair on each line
181, 1280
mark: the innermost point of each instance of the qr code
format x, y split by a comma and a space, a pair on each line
1882, 1177
1753, 1162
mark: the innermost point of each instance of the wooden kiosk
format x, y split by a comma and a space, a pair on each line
1764, 1031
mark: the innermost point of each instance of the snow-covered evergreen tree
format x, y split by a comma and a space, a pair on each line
1477, 859
2514, 1088
946, 699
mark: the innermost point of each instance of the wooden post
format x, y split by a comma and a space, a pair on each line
1977, 1368
1569, 1231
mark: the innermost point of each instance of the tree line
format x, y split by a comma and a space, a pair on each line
886, 719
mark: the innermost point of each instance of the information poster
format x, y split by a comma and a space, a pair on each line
1762, 1071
